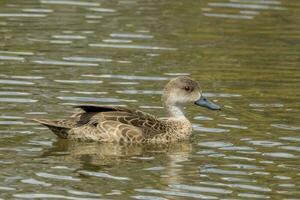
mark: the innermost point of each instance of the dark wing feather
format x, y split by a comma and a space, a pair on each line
101, 109
92, 108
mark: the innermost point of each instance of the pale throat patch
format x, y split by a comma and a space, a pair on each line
176, 111
176, 101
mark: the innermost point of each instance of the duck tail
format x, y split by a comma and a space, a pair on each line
57, 127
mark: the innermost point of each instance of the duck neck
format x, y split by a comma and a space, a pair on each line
175, 111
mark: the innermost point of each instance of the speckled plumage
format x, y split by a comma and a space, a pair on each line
122, 125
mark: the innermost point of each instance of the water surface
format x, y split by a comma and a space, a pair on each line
245, 53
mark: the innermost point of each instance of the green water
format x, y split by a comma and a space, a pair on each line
245, 54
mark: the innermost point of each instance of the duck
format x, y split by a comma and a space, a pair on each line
116, 124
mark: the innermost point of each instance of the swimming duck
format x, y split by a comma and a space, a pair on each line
123, 125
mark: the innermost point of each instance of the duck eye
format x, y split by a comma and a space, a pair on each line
187, 88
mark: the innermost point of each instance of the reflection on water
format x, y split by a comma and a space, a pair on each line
58, 53
111, 154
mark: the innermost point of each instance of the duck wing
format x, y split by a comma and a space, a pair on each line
97, 115
107, 124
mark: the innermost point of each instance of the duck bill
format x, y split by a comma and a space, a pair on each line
206, 103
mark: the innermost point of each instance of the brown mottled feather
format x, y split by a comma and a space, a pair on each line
113, 124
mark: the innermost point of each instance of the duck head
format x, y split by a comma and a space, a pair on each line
181, 91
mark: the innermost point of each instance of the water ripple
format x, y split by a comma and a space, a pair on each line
158, 168
138, 92
81, 193
237, 148
83, 92
215, 144
16, 58
235, 179
131, 35
144, 197
60, 41
93, 16
296, 139
127, 46
291, 148
244, 166
105, 10
37, 10
249, 12
175, 193
253, 196
18, 100
7, 188
199, 128
79, 81
15, 82
59, 177
265, 143
67, 2
116, 41
269, 105
35, 182
28, 77
22, 15
239, 158
280, 155
201, 189
127, 77
69, 37
206, 94
204, 118
251, 8
229, 16
233, 126
10, 117
4, 93
48, 196
103, 175
124, 83
91, 99
18, 53
223, 171
64, 63
178, 74
86, 59
273, 2
286, 127
246, 6
251, 187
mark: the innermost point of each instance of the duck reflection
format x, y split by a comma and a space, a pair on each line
109, 154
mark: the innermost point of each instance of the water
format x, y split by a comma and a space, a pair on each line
55, 54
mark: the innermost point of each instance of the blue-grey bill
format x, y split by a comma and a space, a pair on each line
206, 103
